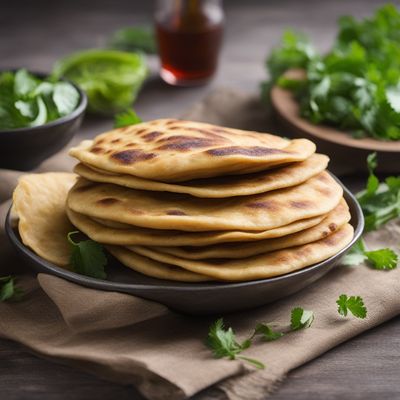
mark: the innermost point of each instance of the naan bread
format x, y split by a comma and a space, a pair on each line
153, 268
260, 266
39, 201
270, 210
169, 150
220, 187
102, 233
334, 221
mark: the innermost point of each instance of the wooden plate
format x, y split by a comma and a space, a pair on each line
347, 154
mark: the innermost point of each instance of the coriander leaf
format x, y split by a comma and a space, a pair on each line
354, 304
356, 255
268, 334
65, 97
222, 343
382, 258
126, 118
87, 257
301, 319
8, 290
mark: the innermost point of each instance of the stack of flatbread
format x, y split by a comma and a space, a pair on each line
194, 202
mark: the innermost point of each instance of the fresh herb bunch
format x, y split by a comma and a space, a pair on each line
135, 38
28, 101
111, 79
356, 85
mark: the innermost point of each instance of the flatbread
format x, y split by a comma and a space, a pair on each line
220, 187
39, 201
169, 150
263, 265
153, 268
106, 234
270, 210
334, 221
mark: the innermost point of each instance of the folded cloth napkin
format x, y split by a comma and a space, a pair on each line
131, 340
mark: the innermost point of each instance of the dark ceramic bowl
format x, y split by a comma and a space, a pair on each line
197, 298
25, 148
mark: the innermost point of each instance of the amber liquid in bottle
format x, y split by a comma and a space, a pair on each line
189, 40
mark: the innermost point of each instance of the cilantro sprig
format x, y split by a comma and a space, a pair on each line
353, 304
87, 257
126, 118
381, 259
9, 290
223, 343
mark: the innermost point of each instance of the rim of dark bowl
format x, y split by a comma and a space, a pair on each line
81, 107
355, 211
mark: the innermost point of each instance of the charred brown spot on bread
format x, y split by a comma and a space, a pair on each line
100, 141
325, 191
140, 131
125, 129
304, 204
323, 177
130, 145
208, 133
172, 121
149, 137
117, 140
253, 151
185, 143
131, 156
324, 234
135, 211
107, 201
175, 212
97, 150
332, 227
266, 205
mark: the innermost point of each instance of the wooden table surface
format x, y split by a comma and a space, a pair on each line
34, 34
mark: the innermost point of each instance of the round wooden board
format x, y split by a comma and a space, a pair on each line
348, 155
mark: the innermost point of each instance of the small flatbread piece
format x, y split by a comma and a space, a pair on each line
39, 201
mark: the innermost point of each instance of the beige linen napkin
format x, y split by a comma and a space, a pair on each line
132, 340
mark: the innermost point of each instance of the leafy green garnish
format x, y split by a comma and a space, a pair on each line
111, 79
354, 304
356, 85
87, 257
382, 259
126, 118
8, 289
27, 101
380, 201
222, 343
301, 318
267, 333
139, 38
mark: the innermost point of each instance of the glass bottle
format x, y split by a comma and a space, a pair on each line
189, 35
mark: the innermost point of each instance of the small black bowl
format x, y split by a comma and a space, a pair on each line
25, 148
